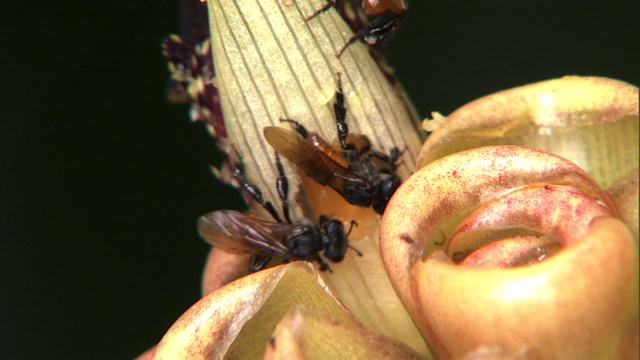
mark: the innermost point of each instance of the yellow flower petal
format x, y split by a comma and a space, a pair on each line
305, 334
239, 318
589, 120
580, 302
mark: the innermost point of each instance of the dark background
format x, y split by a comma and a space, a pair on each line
102, 180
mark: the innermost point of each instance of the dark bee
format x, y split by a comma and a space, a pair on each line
235, 232
364, 177
372, 21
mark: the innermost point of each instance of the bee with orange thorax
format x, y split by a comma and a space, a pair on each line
364, 177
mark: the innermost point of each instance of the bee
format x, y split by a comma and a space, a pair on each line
364, 177
372, 21
236, 232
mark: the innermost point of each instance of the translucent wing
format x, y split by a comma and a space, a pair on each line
235, 232
316, 158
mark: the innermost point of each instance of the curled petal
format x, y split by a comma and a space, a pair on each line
591, 121
361, 282
625, 193
560, 215
443, 244
426, 203
580, 303
222, 268
147, 355
510, 252
239, 318
305, 334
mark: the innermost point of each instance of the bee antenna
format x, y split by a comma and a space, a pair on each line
353, 223
321, 10
355, 249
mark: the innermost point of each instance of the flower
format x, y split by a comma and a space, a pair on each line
502, 244
510, 251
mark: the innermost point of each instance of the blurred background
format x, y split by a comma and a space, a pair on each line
102, 179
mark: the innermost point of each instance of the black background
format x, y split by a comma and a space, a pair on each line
101, 179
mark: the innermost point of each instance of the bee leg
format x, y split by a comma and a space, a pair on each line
390, 159
299, 128
355, 37
258, 262
326, 7
386, 159
253, 191
340, 112
323, 265
353, 223
282, 184
395, 154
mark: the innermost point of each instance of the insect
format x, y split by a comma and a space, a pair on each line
236, 232
372, 21
364, 177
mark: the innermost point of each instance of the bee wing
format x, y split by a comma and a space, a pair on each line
235, 232
315, 163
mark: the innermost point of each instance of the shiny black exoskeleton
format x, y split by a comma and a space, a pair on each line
371, 20
363, 176
379, 189
236, 232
